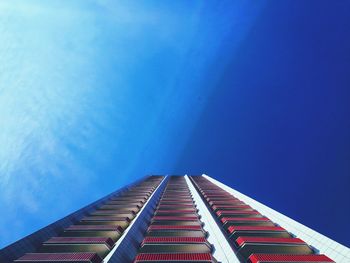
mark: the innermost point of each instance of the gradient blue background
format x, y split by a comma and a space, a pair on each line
95, 94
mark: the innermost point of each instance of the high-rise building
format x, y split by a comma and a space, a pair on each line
175, 219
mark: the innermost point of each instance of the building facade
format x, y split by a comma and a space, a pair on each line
176, 219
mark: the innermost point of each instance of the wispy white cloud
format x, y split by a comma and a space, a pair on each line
92, 95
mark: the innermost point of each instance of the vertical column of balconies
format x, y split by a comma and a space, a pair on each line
254, 237
175, 233
94, 236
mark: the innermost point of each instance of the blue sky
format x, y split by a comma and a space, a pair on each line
94, 94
